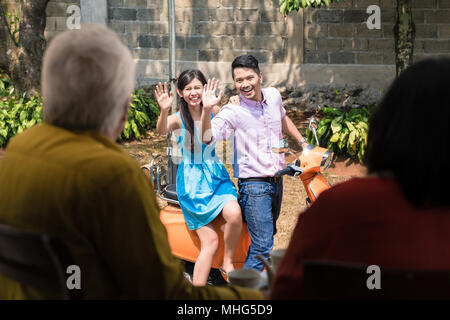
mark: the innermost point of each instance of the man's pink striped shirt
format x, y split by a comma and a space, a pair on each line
254, 128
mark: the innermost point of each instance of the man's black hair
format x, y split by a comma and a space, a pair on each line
245, 61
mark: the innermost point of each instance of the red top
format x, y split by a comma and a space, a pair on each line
365, 221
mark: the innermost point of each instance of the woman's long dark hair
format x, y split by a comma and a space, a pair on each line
409, 134
183, 80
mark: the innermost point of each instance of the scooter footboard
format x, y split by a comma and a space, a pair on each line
185, 243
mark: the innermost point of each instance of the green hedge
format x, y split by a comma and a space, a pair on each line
142, 116
18, 113
343, 131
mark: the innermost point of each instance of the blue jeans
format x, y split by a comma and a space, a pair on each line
260, 202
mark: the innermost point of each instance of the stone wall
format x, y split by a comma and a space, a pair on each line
206, 30
339, 35
57, 16
310, 55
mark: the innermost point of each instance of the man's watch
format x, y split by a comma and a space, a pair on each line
302, 141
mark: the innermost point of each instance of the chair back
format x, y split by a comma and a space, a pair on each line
36, 260
337, 280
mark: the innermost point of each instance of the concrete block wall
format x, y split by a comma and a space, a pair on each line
218, 30
57, 16
329, 47
209, 33
213, 30
339, 34
13, 7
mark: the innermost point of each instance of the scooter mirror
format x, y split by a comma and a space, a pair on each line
313, 126
312, 123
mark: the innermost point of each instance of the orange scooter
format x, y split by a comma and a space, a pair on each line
309, 165
185, 243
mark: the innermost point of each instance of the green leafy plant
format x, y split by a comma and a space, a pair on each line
17, 113
142, 116
6, 87
344, 132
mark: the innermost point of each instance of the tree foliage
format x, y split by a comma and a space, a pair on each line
287, 6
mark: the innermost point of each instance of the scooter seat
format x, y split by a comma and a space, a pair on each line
171, 192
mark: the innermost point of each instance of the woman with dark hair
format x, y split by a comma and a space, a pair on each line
411, 120
398, 217
204, 188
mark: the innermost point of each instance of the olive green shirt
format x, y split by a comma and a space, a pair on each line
85, 190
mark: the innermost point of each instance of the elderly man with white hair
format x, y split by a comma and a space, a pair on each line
68, 178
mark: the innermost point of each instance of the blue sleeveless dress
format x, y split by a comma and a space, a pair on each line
203, 184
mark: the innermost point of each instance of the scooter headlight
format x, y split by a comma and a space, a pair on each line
327, 159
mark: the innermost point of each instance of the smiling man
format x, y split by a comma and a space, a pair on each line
255, 126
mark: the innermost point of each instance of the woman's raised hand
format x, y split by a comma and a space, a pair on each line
163, 97
209, 97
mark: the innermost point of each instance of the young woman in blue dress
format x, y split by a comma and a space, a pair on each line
204, 188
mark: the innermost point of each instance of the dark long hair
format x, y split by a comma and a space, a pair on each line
409, 133
183, 80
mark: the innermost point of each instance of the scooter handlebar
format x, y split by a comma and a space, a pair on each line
284, 171
291, 169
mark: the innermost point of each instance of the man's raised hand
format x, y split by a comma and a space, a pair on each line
209, 97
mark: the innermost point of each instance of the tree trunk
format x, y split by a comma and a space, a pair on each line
21, 55
404, 36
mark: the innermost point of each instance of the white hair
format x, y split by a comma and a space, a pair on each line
88, 76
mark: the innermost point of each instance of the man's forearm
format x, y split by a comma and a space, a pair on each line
289, 127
